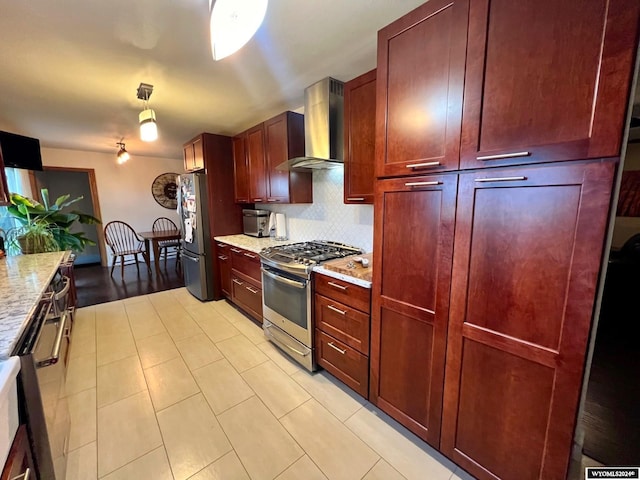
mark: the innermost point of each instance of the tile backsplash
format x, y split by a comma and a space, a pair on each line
328, 218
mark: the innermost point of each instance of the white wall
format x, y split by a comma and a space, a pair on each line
124, 191
625, 227
328, 218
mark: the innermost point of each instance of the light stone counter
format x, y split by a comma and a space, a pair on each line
341, 276
253, 244
23, 279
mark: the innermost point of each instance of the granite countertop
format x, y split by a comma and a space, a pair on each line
342, 276
23, 279
253, 244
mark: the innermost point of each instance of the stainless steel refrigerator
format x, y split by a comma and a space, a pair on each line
196, 254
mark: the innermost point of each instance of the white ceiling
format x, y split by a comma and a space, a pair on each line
69, 69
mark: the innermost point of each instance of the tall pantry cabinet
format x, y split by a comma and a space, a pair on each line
479, 337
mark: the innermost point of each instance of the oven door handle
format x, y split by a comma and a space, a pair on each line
55, 352
284, 280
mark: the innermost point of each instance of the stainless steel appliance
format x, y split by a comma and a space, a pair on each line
255, 222
287, 293
43, 352
195, 244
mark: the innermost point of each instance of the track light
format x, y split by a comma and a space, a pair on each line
122, 154
233, 23
147, 118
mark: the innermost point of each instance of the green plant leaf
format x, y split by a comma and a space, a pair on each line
86, 218
61, 199
45, 197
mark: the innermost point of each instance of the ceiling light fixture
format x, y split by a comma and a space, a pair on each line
122, 154
233, 23
148, 126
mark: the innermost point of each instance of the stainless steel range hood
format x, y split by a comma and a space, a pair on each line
323, 127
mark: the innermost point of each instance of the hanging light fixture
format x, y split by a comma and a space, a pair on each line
233, 23
147, 117
122, 154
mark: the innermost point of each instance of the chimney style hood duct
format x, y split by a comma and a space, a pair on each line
323, 127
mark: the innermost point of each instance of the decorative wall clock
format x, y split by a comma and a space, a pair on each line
165, 190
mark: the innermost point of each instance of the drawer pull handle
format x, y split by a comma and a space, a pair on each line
423, 165
237, 282
25, 476
336, 348
250, 255
257, 199
235, 250
504, 155
221, 245
340, 287
500, 179
273, 199
337, 310
421, 184
252, 290
355, 199
223, 257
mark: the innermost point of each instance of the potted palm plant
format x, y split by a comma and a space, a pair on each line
45, 227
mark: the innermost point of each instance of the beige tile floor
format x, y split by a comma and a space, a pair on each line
163, 386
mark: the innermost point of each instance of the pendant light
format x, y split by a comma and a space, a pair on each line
147, 118
122, 154
233, 23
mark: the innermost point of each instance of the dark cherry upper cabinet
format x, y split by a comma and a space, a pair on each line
421, 59
193, 152
546, 80
528, 248
4, 189
414, 228
284, 136
359, 138
240, 168
257, 164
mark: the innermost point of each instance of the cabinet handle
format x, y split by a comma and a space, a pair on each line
24, 476
421, 184
250, 255
336, 348
237, 282
355, 199
500, 179
252, 290
423, 165
273, 199
337, 310
223, 257
504, 155
257, 199
221, 245
235, 250
337, 286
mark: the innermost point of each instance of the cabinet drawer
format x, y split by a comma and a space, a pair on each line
348, 293
247, 263
342, 361
346, 324
247, 296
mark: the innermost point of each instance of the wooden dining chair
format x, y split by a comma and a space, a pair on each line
123, 240
168, 247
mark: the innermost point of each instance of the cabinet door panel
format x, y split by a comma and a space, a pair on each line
419, 89
556, 90
276, 153
257, 168
414, 244
528, 249
240, 169
359, 136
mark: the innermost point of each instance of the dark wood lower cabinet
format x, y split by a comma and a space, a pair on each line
412, 256
19, 463
528, 248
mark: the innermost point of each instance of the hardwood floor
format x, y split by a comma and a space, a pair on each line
95, 285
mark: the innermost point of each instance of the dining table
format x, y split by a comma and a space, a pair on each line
154, 238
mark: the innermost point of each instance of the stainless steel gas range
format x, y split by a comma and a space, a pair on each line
287, 294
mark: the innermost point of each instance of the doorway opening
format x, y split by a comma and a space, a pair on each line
76, 182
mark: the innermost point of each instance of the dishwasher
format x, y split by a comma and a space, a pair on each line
43, 350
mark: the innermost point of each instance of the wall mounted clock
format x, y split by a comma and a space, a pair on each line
165, 190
